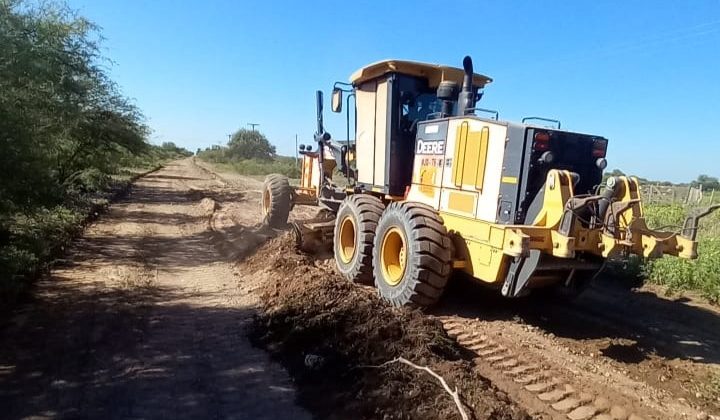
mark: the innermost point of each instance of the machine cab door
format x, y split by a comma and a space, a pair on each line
389, 109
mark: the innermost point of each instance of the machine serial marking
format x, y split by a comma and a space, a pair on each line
435, 147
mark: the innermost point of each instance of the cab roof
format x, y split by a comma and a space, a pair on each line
434, 73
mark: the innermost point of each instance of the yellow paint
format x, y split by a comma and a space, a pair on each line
433, 73
609, 246
347, 239
562, 246
461, 202
393, 256
483, 255
470, 156
459, 157
427, 180
516, 243
509, 180
482, 158
630, 191
632, 233
481, 244
306, 178
558, 190
486, 247
686, 248
459, 264
394, 197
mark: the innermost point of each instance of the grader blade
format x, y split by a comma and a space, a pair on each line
315, 235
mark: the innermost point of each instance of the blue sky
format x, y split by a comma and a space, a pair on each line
643, 74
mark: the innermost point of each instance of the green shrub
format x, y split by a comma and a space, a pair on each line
677, 274
702, 274
663, 215
279, 165
33, 239
87, 181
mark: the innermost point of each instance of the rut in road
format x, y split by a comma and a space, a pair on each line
147, 319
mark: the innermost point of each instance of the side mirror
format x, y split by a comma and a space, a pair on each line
336, 104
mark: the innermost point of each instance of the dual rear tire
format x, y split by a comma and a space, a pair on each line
355, 227
411, 255
403, 249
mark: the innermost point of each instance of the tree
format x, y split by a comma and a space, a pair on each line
248, 144
707, 182
615, 172
65, 128
174, 149
61, 114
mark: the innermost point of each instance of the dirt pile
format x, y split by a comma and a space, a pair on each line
327, 332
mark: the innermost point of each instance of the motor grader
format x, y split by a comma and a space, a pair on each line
433, 184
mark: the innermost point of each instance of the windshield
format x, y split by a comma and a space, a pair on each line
415, 107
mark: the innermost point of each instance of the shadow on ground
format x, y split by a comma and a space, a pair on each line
81, 354
607, 310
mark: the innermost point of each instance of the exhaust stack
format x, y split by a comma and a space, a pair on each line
467, 95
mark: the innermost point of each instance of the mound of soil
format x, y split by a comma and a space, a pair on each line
331, 335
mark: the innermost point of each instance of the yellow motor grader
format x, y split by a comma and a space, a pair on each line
432, 184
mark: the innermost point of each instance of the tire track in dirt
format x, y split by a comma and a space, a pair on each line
607, 345
148, 318
538, 383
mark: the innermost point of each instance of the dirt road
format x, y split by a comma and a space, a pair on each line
147, 317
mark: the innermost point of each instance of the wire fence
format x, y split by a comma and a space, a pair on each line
671, 194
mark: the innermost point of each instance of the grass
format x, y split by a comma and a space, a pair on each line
703, 274
285, 165
258, 169
280, 165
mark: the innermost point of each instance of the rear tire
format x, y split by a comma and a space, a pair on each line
276, 200
354, 236
412, 255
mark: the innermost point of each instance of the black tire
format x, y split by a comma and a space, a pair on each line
421, 280
276, 200
353, 250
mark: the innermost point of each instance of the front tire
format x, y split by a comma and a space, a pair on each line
354, 236
412, 255
276, 201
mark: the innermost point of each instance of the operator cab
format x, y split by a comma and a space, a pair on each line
392, 98
410, 114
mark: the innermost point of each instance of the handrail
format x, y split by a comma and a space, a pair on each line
543, 119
